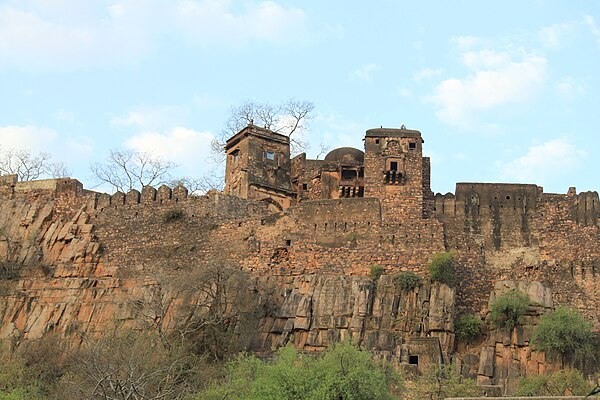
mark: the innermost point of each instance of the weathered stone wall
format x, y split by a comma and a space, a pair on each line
81, 257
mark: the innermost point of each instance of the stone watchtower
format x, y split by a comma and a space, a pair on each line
396, 172
258, 166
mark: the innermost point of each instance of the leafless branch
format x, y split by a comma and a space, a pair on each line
30, 166
126, 169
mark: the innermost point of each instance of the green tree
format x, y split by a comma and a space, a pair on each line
509, 308
344, 372
468, 327
441, 268
564, 332
17, 382
376, 272
407, 280
441, 382
560, 383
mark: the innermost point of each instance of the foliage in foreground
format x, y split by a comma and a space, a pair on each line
442, 382
344, 372
560, 383
509, 308
441, 268
564, 332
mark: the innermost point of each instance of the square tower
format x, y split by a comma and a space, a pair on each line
258, 166
394, 169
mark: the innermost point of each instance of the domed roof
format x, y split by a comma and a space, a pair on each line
346, 155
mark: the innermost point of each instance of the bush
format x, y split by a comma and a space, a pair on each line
564, 332
442, 382
407, 280
441, 268
468, 327
560, 383
508, 309
343, 372
376, 272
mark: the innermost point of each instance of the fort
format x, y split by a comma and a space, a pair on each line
307, 232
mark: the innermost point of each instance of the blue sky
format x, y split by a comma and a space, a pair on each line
501, 91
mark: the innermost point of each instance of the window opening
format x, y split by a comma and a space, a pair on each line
394, 166
348, 174
304, 186
412, 146
376, 141
414, 360
270, 155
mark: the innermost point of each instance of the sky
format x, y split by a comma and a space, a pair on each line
501, 91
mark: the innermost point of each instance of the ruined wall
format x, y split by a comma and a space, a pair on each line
510, 231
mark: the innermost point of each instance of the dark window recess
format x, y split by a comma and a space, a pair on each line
394, 166
270, 155
288, 242
361, 173
304, 186
412, 145
235, 155
414, 360
348, 174
376, 141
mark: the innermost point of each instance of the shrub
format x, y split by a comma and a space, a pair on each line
407, 280
560, 383
468, 327
343, 372
508, 309
564, 332
441, 268
376, 272
444, 381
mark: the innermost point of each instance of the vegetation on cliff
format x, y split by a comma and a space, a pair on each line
441, 268
508, 309
565, 333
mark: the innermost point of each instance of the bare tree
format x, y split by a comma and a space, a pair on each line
28, 166
289, 118
212, 180
130, 365
126, 169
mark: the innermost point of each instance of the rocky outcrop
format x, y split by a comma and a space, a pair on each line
506, 355
319, 310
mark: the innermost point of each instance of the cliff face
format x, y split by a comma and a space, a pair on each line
74, 262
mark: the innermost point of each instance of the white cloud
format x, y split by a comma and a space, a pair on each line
495, 79
466, 42
426, 73
591, 23
553, 36
187, 147
364, 73
68, 34
570, 89
37, 38
68, 149
547, 160
27, 137
64, 116
405, 92
152, 118
214, 20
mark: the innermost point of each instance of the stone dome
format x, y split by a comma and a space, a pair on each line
346, 155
